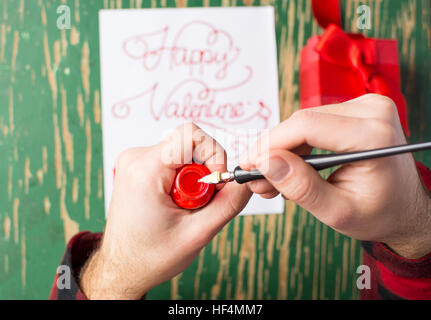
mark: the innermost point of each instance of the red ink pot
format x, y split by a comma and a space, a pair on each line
187, 192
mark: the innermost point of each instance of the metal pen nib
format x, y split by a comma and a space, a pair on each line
217, 177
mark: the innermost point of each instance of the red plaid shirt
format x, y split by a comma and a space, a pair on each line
392, 276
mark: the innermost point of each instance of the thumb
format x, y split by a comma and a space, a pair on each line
226, 204
298, 181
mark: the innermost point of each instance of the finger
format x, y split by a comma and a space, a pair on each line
261, 186
328, 132
332, 127
127, 156
270, 195
177, 149
190, 143
209, 152
139, 169
246, 164
299, 182
368, 106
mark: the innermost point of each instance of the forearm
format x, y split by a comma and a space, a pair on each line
90, 275
102, 279
414, 239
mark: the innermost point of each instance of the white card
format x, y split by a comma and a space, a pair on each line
160, 68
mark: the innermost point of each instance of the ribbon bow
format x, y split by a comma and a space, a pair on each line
358, 53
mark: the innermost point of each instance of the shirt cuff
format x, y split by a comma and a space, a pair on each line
78, 250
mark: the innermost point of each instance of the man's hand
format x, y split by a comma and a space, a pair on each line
148, 239
376, 200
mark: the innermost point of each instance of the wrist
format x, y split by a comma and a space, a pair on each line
103, 279
417, 240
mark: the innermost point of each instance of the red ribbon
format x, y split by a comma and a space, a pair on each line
358, 53
327, 12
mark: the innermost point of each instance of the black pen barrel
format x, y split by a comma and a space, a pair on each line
324, 161
243, 176
320, 162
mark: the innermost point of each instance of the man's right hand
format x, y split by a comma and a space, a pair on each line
376, 200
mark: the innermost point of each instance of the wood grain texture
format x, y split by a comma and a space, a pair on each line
51, 181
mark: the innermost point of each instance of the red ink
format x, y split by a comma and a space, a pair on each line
142, 47
211, 47
207, 54
187, 192
189, 182
205, 66
121, 110
193, 99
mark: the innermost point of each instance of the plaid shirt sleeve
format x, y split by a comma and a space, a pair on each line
78, 250
392, 276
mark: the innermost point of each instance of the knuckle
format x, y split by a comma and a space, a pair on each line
295, 114
385, 105
303, 115
123, 159
135, 170
383, 132
131, 163
371, 96
182, 133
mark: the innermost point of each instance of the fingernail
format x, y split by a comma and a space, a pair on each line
277, 169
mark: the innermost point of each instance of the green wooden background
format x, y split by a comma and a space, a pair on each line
51, 179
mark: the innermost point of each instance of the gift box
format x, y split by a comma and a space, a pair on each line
338, 66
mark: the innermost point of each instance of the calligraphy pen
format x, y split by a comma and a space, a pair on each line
318, 162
